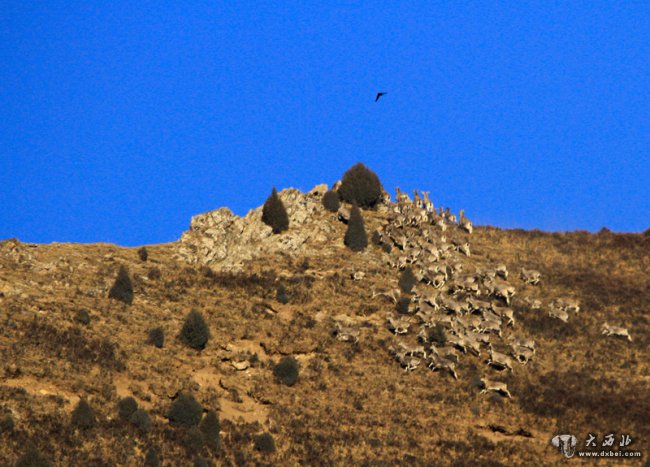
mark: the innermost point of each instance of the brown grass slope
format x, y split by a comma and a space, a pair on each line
352, 404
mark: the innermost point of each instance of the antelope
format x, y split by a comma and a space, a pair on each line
495, 386
530, 276
611, 330
441, 364
347, 333
428, 205
465, 223
499, 360
398, 325
417, 200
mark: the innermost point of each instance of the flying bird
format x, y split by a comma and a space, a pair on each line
379, 94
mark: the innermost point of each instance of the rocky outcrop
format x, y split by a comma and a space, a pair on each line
225, 241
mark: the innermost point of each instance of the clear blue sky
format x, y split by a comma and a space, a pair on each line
121, 120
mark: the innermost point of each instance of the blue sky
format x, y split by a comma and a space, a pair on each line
121, 120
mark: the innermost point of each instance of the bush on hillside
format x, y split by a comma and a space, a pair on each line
331, 201
83, 416
360, 185
355, 236
402, 305
82, 316
407, 280
143, 254
140, 418
265, 443
274, 214
154, 273
281, 294
122, 289
33, 458
210, 427
185, 411
126, 406
195, 332
193, 441
156, 337
152, 459
287, 371
7, 424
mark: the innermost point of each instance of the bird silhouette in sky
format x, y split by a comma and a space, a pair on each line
379, 94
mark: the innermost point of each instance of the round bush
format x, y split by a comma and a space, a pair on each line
33, 458
185, 411
195, 332
210, 427
152, 459
287, 371
156, 337
281, 294
331, 201
193, 441
360, 185
264, 443
355, 236
126, 407
140, 418
82, 317
274, 214
143, 254
7, 424
83, 416
122, 289
407, 280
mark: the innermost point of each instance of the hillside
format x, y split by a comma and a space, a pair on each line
354, 401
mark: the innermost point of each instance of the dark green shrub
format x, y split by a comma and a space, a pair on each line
264, 443
82, 316
140, 418
202, 462
156, 337
407, 280
360, 185
154, 273
122, 289
185, 411
143, 254
281, 294
152, 459
33, 458
274, 214
195, 332
7, 424
126, 406
402, 305
438, 335
331, 201
287, 371
193, 440
355, 236
83, 416
210, 427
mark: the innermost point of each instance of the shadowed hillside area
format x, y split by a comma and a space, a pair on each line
376, 331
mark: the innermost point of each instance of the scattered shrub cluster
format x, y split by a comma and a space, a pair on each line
210, 427
152, 459
274, 214
286, 371
331, 201
402, 305
360, 185
122, 289
156, 337
195, 332
355, 236
143, 254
